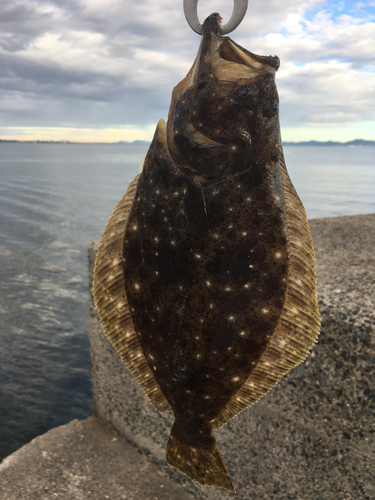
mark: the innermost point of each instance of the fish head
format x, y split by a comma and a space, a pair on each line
224, 115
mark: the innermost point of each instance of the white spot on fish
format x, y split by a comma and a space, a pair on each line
277, 255
137, 286
198, 256
242, 333
236, 379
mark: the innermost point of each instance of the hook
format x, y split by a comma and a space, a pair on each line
239, 11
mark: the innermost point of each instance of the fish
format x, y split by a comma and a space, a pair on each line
205, 279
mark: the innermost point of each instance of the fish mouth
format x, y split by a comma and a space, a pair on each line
224, 59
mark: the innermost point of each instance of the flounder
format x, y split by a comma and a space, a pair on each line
205, 275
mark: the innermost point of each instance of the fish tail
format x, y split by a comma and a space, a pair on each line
202, 463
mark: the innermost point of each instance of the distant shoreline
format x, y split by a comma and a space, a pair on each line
121, 143
356, 142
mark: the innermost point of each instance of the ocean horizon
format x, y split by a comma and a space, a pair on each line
137, 142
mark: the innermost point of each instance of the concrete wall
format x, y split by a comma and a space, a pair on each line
313, 436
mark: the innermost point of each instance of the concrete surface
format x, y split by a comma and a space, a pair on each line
83, 460
311, 438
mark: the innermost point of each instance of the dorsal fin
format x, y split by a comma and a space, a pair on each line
111, 302
299, 323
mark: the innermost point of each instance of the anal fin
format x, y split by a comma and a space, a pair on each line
111, 301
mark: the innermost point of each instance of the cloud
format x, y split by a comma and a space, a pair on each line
104, 64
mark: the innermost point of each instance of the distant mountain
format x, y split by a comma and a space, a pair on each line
126, 142
356, 142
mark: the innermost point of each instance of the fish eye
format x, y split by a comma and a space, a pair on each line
271, 108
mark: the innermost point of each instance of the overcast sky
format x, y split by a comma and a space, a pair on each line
104, 70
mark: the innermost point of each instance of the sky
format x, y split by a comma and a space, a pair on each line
104, 70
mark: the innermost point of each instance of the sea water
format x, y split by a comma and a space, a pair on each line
54, 201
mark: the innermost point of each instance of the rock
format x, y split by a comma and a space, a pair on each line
83, 460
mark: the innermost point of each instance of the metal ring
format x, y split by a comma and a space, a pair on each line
239, 11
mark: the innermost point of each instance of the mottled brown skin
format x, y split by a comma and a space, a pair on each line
204, 278
205, 256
